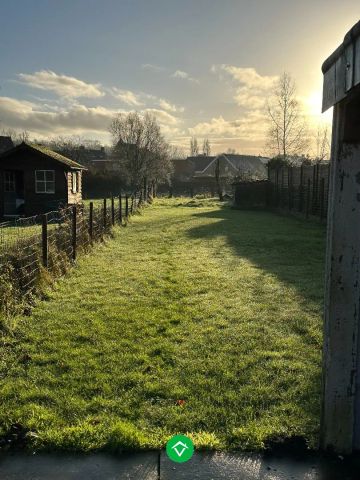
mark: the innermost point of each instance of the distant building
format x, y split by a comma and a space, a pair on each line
34, 180
198, 172
6, 143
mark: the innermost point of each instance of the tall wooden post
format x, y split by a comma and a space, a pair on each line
301, 189
105, 215
91, 221
74, 232
127, 207
340, 419
45, 249
112, 211
120, 209
308, 198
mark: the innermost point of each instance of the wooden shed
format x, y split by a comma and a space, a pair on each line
340, 423
34, 180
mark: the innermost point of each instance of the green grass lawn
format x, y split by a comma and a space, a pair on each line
191, 301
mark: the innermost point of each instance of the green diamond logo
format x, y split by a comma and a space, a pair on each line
180, 448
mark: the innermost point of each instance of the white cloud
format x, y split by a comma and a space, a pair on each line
165, 105
251, 127
61, 84
252, 88
184, 76
154, 68
164, 118
127, 96
36, 119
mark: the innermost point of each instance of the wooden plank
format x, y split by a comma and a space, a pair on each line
342, 293
329, 95
349, 66
357, 62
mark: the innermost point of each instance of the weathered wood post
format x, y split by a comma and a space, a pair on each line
126, 206
340, 420
301, 189
308, 198
112, 211
74, 231
120, 209
45, 249
104, 214
91, 221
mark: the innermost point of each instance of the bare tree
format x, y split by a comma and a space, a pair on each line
143, 152
287, 134
17, 136
322, 142
194, 147
206, 147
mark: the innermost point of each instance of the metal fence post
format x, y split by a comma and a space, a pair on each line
112, 211
45, 250
91, 221
74, 219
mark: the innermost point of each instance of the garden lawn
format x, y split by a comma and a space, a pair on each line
195, 318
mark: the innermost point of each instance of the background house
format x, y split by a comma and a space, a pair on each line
6, 143
34, 180
197, 173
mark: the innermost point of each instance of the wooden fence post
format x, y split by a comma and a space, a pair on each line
132, 204
91, 221
301, 189
104, 213
308, 198
127, 207
112, 211
322, 198
120, 209
74, 220
45, 250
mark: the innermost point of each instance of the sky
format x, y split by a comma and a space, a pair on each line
204, 68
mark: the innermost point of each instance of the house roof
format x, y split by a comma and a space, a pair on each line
47, 152
200, 162
240, 163
6, 143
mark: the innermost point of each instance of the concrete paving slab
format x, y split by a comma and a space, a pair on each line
135, 466
222, 466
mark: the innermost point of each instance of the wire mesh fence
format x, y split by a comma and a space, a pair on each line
302, 189
36, 250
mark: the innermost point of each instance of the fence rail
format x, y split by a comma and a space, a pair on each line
45, 246
302, 189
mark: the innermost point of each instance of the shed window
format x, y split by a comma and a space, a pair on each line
9, 181
74, 182
45, 181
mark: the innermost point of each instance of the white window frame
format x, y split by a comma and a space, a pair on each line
43, 180
74, 182
9, 181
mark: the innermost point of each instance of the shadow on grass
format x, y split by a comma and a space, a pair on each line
290, 248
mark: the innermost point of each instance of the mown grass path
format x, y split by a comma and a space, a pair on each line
192, 301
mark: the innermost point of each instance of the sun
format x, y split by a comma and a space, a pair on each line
313, 106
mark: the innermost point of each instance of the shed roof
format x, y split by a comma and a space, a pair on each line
46, 152
342, 69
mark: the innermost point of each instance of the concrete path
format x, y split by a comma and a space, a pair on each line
151, 466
